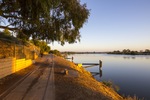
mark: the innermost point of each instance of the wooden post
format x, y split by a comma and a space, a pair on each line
72, 59
100, 72
100, 64
100, 68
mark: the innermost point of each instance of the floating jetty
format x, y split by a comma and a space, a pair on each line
91, 64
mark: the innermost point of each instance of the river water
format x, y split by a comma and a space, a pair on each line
130, 73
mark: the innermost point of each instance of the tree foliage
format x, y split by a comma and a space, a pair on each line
56, 52
131, 52
42, 45
51, 20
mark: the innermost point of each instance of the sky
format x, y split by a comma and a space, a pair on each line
113, 25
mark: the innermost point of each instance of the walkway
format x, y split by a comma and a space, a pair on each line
38, 85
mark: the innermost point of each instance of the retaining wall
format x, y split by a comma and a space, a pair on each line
11, 65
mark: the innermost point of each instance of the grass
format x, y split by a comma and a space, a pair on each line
133, 98
111, 85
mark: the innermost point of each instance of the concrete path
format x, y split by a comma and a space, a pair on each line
39, 85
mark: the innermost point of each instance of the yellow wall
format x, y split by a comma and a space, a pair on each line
28, 62
6, 67
11, 65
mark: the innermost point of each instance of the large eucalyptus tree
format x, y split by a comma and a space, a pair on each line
52, 20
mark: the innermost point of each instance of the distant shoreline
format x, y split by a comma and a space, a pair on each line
129, 54
84, 52
123, 52
105, 53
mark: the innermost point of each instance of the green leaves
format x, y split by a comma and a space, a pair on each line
54, 20
42, 45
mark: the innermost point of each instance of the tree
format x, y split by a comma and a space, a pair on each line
50, 20
56, 52
147, 51
126, 51
42, 45
117, 52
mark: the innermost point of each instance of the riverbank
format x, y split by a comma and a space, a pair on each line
78, 84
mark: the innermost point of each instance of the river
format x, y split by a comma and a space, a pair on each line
130, 72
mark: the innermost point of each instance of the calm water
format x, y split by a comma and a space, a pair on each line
130, 73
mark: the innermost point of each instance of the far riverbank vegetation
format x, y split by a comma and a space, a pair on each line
130, 52
124, 51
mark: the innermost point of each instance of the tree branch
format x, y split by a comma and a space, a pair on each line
10, 16
6, 27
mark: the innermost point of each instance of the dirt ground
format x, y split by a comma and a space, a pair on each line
8, 81
78, 84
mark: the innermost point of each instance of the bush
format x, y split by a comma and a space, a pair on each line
56, 52
111, 85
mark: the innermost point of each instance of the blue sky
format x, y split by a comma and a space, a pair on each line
113, 25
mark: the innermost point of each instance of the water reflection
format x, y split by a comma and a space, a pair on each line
130, 72
136, 56
128, 57
100, 72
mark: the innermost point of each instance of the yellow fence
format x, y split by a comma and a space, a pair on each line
11, 65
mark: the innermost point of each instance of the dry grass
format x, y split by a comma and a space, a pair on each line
133, 98
84, 84
111, 85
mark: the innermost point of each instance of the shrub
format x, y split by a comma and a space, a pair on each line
111, 85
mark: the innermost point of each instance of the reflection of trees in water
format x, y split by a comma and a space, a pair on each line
127, 57
100, 72
134, 57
